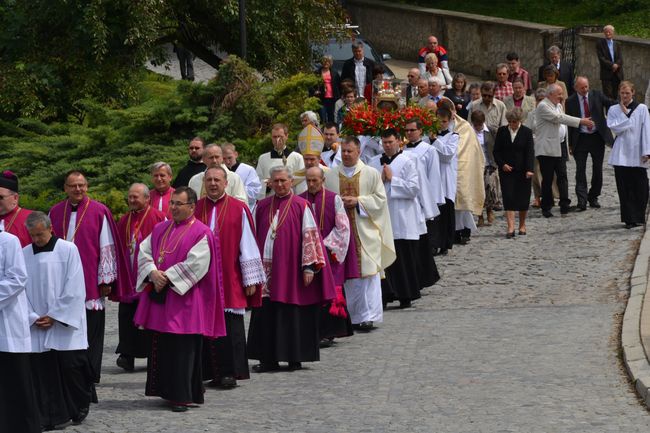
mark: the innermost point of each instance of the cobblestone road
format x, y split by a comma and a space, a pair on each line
519, 336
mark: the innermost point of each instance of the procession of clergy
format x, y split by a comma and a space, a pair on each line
316, 243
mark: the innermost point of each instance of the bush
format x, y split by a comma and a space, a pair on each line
115, 147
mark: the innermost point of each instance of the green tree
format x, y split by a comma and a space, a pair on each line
54, 54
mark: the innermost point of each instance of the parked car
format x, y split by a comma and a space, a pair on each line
341, 50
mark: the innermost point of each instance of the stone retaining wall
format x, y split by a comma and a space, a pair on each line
476, 43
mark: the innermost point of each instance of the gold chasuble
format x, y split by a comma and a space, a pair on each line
470, 192
370, 222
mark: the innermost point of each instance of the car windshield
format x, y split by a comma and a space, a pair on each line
343, 50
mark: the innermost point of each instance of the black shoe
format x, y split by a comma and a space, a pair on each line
366, 326
264, 367
594, 203
522, 233
510, 235
631, 225
443, 252
126, 362
179, 408
293, 366
564, 210
405, 304
581, 207
227, 382
326, 342
81, 416
547, 213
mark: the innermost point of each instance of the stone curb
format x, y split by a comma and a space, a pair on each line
635, 320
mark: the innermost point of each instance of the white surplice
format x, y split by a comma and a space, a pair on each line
431, 191
55, 288
447, 148
251, 181
402, 192
632, 136
265, 163
14, 337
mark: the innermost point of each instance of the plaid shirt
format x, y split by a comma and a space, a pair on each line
525, 77
503, 90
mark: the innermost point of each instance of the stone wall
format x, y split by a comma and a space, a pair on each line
476, 43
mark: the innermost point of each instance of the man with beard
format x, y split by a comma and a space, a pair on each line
195, 164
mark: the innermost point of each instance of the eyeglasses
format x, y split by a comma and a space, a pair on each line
173, 203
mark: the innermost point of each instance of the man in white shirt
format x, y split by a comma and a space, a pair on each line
246, 172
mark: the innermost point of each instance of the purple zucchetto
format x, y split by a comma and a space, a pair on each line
9, 180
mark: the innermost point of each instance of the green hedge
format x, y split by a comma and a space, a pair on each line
116, 146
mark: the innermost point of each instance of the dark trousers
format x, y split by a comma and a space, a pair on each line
610, 87
96, 321
186, 63
632, 187
327, 110
589, 144
549, 166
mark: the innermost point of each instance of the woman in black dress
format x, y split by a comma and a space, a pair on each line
514, 154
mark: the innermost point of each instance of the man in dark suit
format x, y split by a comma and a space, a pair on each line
584, 140
611, 62
412, 87
565, 69
358, 68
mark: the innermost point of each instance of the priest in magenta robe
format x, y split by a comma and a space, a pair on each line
225, 358
134, 227
334, 226
161, 178
298, 279
12, 216
179, 273
90, 226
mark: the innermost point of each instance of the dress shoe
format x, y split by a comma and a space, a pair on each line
547, 213
265, 367
631, 225
366, 326
564, 210
179, 408
594, 203
81, 416
581, 207
510, 235
227, 382
405, 304
126, 362
293, 366
327, 342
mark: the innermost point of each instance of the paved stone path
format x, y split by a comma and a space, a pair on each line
519, 336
